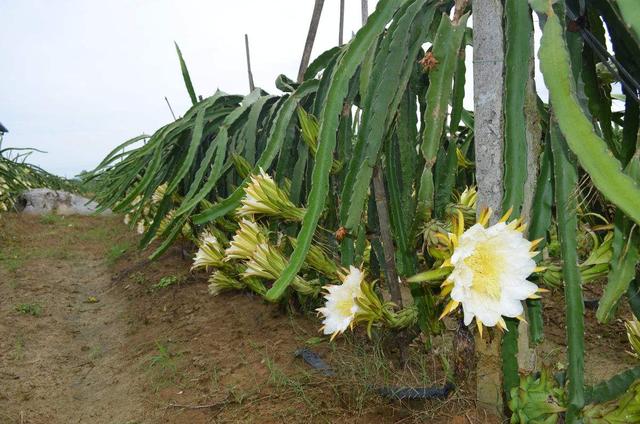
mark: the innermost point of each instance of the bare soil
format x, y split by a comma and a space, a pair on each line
89, 335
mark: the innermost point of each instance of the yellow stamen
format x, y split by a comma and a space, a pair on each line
479, 325
486, 270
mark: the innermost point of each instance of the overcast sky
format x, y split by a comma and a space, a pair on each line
80, 76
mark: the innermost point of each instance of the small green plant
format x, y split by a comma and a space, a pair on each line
116, 251
138, 278
168, 281
33, 309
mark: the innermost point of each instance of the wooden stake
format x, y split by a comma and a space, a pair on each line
311, 36
246, 47
385, 235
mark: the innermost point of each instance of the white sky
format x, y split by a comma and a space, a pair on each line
81, 76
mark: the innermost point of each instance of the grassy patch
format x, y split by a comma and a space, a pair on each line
33, 309
50, 219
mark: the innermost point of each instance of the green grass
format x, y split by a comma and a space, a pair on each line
18, 349
33, 309
11, 260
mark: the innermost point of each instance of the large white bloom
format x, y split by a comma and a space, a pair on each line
341, 308
490, 270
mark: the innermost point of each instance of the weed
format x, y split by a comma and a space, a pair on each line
33, 309
168, 281
164, 366
11, 261
18, 349
116, 251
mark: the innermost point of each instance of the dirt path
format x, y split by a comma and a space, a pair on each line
62, 346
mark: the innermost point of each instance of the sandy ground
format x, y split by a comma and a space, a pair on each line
87, 335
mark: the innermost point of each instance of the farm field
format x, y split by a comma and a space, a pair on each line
434, 219
87, 336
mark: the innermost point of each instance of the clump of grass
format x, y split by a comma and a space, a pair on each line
33, 309
168, 281
116, 252
50, 219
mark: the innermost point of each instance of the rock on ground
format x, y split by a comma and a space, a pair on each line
42, 201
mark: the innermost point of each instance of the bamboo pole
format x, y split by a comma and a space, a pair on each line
341, 25
311, 36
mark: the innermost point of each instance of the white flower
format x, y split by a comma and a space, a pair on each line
127, 219
490, 270
341, 308
140, 227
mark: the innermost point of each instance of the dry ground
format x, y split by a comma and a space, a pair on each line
91, 332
